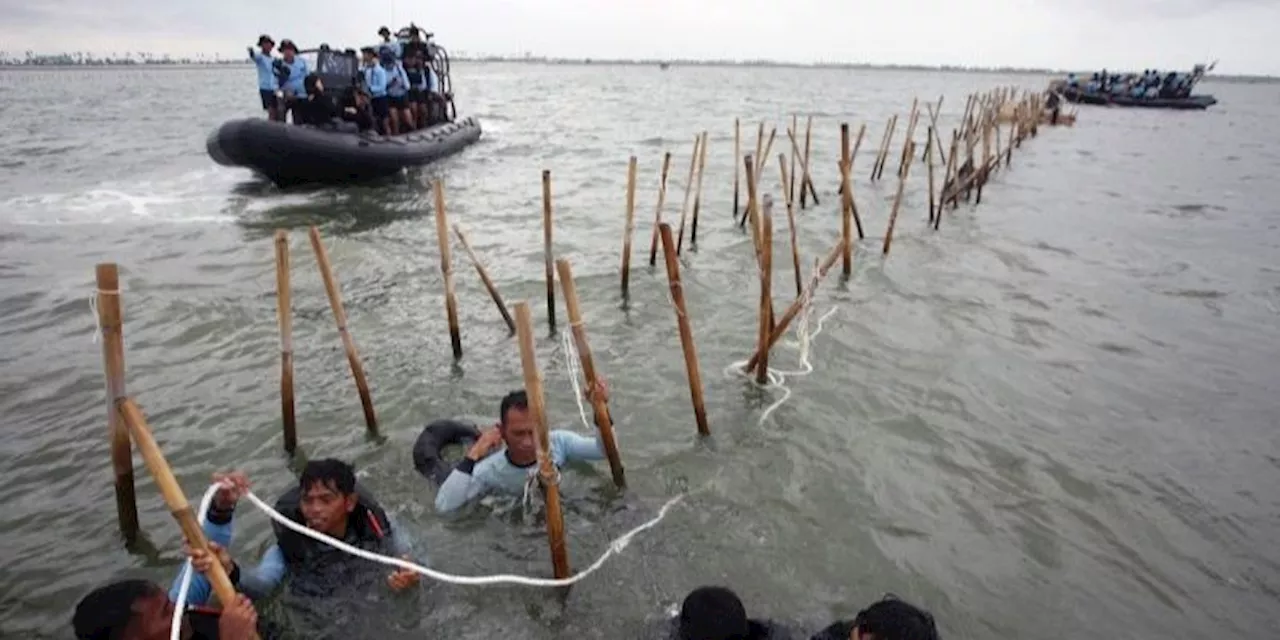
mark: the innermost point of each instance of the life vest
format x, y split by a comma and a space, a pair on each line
315, 568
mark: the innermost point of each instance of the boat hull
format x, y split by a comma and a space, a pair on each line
289, 154
1192, 103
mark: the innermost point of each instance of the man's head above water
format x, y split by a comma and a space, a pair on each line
327, 495
516, 423
893, 619
125, 610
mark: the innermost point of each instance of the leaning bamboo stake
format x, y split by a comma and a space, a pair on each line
948, 184
547, 256
737, 154
929, 153
446, 269
759, 143
884, 150
627, 230
804, 167
897, 200
791, 185
753, 212
686, 333
780, 327
758, 169
688, 189
546, 468
791, 221
904, 157
657, 211
111, 323
484, 278
340, 317
603, 421
806, 182
852, 155
768, 147
986, 160
766, 289
179, 508
697, 197
284, 318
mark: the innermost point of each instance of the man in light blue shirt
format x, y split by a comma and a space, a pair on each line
292, 75
375, 84
396, 47
267, 84
507, 471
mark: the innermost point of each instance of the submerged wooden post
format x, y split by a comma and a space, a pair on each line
484, 278
780, 327
446, 271
603, 422
284, 317
628, 229
766, 289
657, 212
181, 510
340, 316
686, 333
546, 468
791, 221
111, 323
688, 190
547, 256
737, 154
897, 200
697, 196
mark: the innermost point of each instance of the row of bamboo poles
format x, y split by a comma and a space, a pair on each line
963, 174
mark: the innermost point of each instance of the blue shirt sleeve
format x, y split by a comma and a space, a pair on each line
261, 580
201, 591
401, 543
459, 488
567, 446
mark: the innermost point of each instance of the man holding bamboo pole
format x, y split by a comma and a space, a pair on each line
487, 470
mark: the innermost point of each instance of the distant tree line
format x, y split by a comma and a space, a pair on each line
128, 58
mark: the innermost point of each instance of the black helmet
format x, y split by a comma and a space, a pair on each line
287, 44
265, 39
384, 31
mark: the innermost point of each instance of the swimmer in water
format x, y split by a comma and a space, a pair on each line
716, 613
507, 472
887, 619
140, 610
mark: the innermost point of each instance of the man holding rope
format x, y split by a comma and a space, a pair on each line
478, 475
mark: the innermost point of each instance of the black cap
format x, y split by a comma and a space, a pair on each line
264, 38
367, 50
384, 30
288, 44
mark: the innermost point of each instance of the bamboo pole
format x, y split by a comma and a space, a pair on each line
792, 311
111, 324
862, 131
737, 155
284, 318
791, 185
181, 510
697, 197
791, 221
340, 317
546, 468
929, 152
897, 200
758, 169
759, 144
766, 288
804, 167
686, 333
806, 182
911, 132
603, 421
884, 150
688, 190
547, 256
484, 278
986, 156
630, 225
446, 269
753, 213
657, 212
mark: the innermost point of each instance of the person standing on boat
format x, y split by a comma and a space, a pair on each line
419, 84
375, 84
397, 93
393, 45
293, 73
508, 472
267, 84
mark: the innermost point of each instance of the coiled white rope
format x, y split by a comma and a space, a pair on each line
615, 547
777, 378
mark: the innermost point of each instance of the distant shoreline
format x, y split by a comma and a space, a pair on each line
53, 62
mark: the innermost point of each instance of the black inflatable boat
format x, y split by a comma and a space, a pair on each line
290, 154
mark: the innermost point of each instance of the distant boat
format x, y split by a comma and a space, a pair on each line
664, 65
1174, 90
1189, 103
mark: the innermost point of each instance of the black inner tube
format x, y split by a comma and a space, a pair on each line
437, 435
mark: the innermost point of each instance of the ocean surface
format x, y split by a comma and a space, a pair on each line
1055, 417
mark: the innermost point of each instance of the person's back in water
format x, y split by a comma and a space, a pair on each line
716, 613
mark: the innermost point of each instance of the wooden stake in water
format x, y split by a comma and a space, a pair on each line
806, 182
657, 212
930, 145
547, 472
340, 316
284, 317
862, 131
791, 221
686, 333
547, 256
948, 179
904, 158
697, 196
753, 213
897, 200
629, 228
688, 190
791, 185
737, 154
792, 311
181, 510
603, 422
766, 289
446, 270
111, 323
484, 278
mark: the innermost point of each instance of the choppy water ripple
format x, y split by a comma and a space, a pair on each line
1052, 417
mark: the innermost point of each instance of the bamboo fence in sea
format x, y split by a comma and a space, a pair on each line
992, 126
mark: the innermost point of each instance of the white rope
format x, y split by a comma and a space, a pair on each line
571, 364
617, 546
777, 378
175, 631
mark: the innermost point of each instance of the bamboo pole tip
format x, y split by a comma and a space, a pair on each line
107, 272
282, 235
546, 174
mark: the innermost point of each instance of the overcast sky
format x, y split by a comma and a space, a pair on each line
1134, 34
